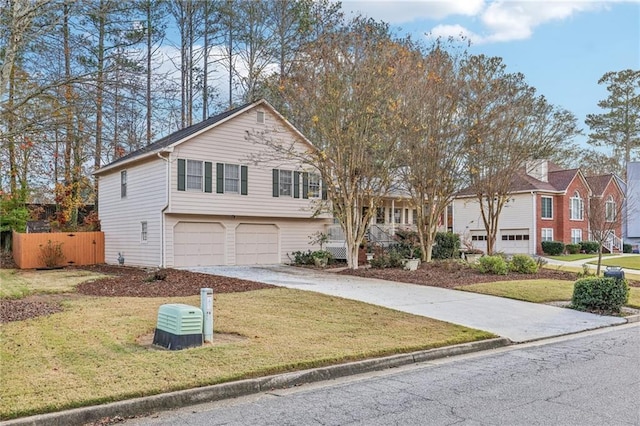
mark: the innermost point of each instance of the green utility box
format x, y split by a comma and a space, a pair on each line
179, 326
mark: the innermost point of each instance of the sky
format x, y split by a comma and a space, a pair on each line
562, 47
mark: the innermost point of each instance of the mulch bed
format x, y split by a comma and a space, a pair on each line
450, 275
126, 281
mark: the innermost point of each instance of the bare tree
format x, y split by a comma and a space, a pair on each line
605, 217
507, 125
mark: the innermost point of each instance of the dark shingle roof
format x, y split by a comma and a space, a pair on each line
177, 136
599, 183
560, 179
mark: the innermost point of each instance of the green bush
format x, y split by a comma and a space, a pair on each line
523, 264
589, 247
572, 248
390, 259
492, 265
600, 294
302, 257
447, 246
627, 248
553, 248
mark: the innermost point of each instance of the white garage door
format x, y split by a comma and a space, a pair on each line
256, 244
198, 244
513, 241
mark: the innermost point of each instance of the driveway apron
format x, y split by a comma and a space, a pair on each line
518, 321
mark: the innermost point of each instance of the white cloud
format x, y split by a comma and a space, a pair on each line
398, 12
455, 31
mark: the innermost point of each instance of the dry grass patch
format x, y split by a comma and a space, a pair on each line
18, 283
89, 353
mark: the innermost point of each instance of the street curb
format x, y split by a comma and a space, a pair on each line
167, 401
632, 318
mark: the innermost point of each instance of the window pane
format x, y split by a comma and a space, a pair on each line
314, 185
194, 175
231, 178
547, 208
285, 183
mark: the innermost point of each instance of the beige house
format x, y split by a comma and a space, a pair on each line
196, 197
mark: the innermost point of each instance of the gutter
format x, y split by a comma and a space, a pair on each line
168, 198
535, 223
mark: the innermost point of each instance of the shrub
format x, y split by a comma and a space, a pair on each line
600, 294
302, 257
389, 259
589, 247
492, 265
627, 248
523, 264
586, 272
51, 254
572, 248
447, 246
553, 248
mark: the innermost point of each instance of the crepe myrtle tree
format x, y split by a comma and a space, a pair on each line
432, 143
506, 125
345, 97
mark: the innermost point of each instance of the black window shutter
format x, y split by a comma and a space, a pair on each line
244, 180
182, 175
276, 183
296, 184
219, 178
324, 191
207, 176
305, 185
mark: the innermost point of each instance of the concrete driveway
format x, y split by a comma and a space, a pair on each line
515, 320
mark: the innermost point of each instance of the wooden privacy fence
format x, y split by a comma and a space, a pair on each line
78, 248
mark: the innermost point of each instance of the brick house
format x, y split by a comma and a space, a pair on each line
547, 203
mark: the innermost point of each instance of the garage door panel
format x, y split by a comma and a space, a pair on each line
257, 244
198, 244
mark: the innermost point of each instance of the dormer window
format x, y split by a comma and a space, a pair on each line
576, 207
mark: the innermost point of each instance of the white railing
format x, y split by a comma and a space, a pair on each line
611, 243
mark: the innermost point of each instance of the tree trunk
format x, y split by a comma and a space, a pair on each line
99, 97
148, 88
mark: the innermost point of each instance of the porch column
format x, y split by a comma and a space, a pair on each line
393, 216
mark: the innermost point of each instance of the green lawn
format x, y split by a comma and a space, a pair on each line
538, 291
98, 349
630, 262
577, 256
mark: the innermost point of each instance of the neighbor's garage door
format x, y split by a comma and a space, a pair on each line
198, 244
513, 241
256, 244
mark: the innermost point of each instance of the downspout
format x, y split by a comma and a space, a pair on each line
535, 223
168, 198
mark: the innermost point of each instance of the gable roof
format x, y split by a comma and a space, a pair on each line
183, 135
561, 179
600, 183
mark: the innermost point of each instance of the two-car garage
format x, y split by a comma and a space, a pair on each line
209, 243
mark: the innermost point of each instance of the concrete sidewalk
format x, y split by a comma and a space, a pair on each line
518, 321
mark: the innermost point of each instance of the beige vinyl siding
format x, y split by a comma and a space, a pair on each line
517, 214
227, 144
121, 218
293, 234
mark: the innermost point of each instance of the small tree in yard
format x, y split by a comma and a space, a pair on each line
605, 216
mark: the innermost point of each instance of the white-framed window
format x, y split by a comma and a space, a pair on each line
576, 236
143, 232
232, 178
397, 215
547, 234
414, 214
194, 175
286, 183
610, 209
380, 215
313, 188
576, 207
260, 117
546, 206
123, 184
